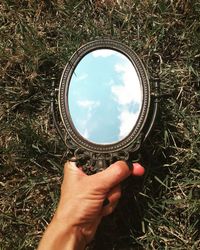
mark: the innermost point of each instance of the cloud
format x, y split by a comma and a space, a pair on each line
127, 122
89, 104
84, 126
85, 133
103, 53
128, 95
126, 98
81, 77
129, 90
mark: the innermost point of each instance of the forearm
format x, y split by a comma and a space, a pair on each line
59, 237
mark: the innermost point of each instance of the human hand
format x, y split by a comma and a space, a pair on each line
81, 209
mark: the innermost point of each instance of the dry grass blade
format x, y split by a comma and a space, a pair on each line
36, 40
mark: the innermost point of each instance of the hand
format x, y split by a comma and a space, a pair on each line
81, 209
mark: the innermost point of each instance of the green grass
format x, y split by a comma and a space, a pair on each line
37, 38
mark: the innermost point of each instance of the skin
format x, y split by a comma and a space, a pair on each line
80, 208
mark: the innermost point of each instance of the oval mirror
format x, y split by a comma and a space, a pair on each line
104, 97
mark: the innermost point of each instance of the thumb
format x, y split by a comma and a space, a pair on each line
71, 171
113, 175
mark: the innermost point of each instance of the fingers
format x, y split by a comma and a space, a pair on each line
113, 197
112, 176
106, 179
138, 170
114, 194
71, 171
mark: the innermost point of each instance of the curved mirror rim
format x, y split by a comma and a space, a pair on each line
64, 87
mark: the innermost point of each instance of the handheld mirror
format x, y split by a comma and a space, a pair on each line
104, 101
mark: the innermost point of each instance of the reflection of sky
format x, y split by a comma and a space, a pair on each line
104, 96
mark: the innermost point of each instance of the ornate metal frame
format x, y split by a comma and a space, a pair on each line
84, 150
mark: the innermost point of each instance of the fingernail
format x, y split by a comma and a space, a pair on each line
138, 170
72, 164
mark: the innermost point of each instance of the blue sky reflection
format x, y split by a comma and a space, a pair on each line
104, 96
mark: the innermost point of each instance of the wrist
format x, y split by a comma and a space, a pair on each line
61, 236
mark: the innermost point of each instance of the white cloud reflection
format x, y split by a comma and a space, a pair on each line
81, 77
129, 90
89, 106
103, 53
127, 94
127, 121
86, 133
115, 97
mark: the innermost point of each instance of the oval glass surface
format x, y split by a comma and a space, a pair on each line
105, 96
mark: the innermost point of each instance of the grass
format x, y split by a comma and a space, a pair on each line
37, 38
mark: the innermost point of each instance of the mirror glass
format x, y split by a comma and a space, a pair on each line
104, 96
